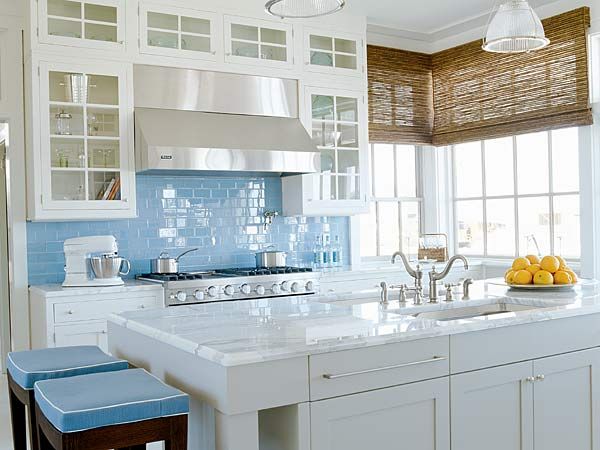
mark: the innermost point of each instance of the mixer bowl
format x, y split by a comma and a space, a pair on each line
109, 266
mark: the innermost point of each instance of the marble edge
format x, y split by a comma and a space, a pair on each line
57, 290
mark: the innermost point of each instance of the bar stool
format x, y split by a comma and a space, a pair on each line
123, 410
27, 367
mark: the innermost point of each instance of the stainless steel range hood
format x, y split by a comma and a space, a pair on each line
190, 120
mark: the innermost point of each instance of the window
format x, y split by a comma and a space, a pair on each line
518, 195
393, 222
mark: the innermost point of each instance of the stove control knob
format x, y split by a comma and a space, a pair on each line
310, 286
199, 295
285, 286
276, 289
260, 290
246, 289
212, 291
181, 296
229, 290
295, 287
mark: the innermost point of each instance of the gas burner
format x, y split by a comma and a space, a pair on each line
182, 276
251, 271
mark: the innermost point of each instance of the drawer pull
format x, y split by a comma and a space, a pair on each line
329, 376
70, 312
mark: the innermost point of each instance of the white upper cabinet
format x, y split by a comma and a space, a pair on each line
98, 24
337, 53
180, 32
260, 42
84, 159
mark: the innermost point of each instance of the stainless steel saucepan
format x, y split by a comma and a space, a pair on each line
271, 258
165, 264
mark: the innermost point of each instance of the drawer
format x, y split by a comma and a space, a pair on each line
97, 310
364, 369
84, 334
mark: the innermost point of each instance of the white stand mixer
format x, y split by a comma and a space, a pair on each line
78, 252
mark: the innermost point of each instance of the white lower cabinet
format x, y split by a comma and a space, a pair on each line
545, 404
413, 416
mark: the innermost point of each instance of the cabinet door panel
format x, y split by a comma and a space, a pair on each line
414, 416
492, 409
86, 334
566, 401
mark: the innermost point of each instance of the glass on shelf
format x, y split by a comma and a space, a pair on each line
273, 53
345, 46
321, 58
104, 186
347, 109
103, 122
58, 120
326, 186
99, 32
324, 134
68, 87
67, 153
348, 135
64, 8
103, 154
244, 32
163, 21
348, 162
328, 161
162, 39
195, 43
348, 187
244, 49
345, 61
195, 25
104, 90
65, 28
272, 36
321, 42
100, 13
322, 107
68, 186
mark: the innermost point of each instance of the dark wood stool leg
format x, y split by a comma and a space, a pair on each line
43, 442
33, 427
18, 421
135, 447
178, 438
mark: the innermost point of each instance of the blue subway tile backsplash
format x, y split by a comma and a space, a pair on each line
223, 217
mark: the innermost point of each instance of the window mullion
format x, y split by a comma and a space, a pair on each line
551, 195
516, 195
484, 202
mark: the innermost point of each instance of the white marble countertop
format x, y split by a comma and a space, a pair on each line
245, 332
57, 290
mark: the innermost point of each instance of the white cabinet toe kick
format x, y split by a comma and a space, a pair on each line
533, 386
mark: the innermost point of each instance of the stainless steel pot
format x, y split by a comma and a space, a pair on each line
165, 264
271, 258
109, 266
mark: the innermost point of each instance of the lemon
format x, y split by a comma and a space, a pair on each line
550, 264
510, 277
533, 259
520, 264
523, 277
562, 277
573, 275
543, 277
533, 268
562, 264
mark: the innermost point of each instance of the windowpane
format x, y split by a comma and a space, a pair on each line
383, 166
469, 219
565, 160
532, 163
389, 228
406, 170
566, 226
534, 225
410, 227
368, 233
500, 227
499, 178
467, 170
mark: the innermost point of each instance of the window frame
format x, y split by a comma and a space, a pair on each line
550, 194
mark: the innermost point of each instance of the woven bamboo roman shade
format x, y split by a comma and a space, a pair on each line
400, 96
480, 95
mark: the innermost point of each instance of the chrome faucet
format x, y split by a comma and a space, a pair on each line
434, 276
416, 273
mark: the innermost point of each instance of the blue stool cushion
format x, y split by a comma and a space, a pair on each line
104, 399
30, 366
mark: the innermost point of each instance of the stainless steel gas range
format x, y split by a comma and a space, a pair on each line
235, 284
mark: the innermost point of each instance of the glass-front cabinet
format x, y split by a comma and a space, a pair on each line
180, 32
340, 54
337, 121
86, 148
261, 42
92, 24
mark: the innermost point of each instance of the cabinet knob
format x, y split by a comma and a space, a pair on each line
70, 312
530, 379
103, 331
539, 377
142, 306
214, 52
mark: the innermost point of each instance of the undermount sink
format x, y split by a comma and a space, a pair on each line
469, 312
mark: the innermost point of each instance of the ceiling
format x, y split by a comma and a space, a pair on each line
423, 16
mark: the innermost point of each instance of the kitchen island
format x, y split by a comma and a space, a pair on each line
301, 373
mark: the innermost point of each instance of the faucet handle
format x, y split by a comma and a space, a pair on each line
449, 294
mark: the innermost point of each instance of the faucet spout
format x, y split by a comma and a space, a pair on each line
412, 272
434, 276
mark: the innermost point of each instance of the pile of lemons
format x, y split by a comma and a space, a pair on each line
546, 271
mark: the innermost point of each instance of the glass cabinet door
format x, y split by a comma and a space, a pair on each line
336, 119
333, 54
83, 137
258, 42
96, 23
175, 31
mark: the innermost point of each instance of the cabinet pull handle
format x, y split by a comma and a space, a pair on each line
329, 376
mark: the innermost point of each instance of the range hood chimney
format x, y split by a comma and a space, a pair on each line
191, 120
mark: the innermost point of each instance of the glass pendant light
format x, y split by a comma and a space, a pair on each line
303, 9
514, 27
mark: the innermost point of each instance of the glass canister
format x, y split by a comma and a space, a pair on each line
63, 123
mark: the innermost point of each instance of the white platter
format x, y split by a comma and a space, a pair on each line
536, 287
